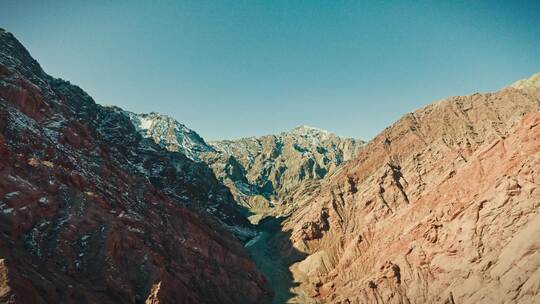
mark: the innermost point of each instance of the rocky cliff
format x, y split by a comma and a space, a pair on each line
91, 212
169, 133
260, 171
441, 207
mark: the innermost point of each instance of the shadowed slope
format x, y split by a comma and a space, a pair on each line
92, 213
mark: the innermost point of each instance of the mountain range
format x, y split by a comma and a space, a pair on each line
102, 205
259, 171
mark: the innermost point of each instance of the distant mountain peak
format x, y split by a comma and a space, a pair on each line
306, 130
169, 133
531, 82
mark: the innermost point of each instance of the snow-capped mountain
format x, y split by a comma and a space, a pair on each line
170, 134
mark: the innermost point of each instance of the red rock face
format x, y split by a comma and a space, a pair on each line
92, 213
443, 204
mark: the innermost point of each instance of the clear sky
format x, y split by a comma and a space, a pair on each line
229, 69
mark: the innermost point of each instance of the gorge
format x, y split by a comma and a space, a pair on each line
102, 205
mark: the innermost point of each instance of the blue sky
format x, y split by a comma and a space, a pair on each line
229, 69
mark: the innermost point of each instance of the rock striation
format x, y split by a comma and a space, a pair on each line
441, 207
91, 212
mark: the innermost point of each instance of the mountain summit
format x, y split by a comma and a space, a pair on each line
305, 130
260, 171
532, 82
169, 133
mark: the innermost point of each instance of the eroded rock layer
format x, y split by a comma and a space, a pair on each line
90, 212
441, 206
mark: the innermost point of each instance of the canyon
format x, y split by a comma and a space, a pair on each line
102, 205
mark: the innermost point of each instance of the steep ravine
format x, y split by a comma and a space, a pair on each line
99, 205
334, 238
269, 261
442, 207
259, 171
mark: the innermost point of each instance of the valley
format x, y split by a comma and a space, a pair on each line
102, 205
316, 232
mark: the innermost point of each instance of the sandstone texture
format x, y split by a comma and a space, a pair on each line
441, 207
91, 212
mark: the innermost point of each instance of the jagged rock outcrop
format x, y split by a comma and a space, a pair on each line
443, 204
91, 212
258, 170
169, 133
